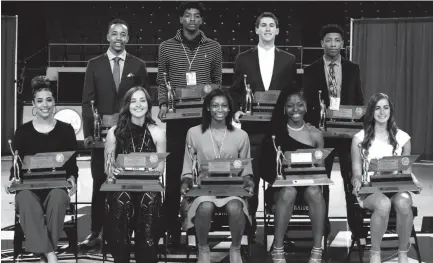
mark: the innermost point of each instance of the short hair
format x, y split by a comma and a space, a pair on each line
267, 14
188, 5
39, 83
117, 21
331, 28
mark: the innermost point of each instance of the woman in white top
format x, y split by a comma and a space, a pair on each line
381, 137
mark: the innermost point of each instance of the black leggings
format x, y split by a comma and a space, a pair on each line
127, 212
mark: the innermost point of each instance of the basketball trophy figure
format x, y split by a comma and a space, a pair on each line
15, 166
109, 167
322, 111
365, 179
194, 160
96, 122
280, 155
249, 96
170, 94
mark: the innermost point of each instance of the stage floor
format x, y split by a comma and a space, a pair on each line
339, 238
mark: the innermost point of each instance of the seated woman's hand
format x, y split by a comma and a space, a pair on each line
186, 185
73, 182
8, 185
356, 183
249, 184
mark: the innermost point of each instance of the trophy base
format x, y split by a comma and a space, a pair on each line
257, 116
45, 184
187, 113
340, 132
96, 144
219, 190
302, 180
390, 187
142, 186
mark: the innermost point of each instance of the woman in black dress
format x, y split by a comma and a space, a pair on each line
135, 131
292, 133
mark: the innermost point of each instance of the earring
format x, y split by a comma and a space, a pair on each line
33, 111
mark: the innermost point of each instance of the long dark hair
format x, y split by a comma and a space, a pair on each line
123, 128
206, 117
369, 122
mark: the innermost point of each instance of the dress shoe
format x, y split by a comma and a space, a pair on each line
91, 241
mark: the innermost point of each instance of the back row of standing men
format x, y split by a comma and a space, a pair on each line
191, 58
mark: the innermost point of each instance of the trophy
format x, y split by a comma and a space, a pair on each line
16, 159
109, 167
193, 157
170, 94
279, 162
322, 111
365, 179
96, 122
249, 96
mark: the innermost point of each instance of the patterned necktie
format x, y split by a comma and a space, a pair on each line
332, 80
116, 72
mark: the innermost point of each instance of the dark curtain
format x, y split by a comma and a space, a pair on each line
396, 58
8, 97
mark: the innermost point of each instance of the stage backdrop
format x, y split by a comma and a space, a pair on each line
8, 95
396, 58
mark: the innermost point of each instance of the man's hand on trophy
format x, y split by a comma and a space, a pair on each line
88, 141
73, 189
238, 115
8, 186
186, 185
356, 183
162, 112
249, 184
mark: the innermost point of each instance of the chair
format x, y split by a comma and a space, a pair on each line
297, 222
360, 235
220, 223
70, 228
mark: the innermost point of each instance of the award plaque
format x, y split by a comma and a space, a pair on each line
263, 105
389, 175
344, 122
188, 101
139, 173
221, 177
41, 171
303, 167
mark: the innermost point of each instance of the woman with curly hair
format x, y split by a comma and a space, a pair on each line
381, 137
135, 131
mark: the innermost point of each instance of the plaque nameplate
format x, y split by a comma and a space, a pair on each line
305, 181
110, 120
388, 165
42, 162
191, 92
343, 113
132, 187
269, 97
219, 166
301, 158
134, 161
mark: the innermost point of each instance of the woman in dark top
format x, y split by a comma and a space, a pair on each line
44, 134
291, 133
135, 131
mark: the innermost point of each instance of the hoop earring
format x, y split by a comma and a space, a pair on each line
33, 111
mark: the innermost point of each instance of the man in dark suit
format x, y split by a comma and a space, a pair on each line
267, 68
108, 77
340, 83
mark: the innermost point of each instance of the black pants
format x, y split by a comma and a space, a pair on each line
98, 197
342, 149
176, 136
128, 212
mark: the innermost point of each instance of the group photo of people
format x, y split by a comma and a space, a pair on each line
215, 150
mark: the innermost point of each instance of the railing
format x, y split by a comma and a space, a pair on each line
149, 53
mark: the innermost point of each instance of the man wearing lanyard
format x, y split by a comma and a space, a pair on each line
340, 83
108, 77
190, 58
267, 68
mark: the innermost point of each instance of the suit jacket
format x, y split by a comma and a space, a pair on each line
283, 75
314, 79
99, 86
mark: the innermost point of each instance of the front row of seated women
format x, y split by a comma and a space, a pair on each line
215, 138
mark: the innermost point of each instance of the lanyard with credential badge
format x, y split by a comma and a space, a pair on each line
190, 62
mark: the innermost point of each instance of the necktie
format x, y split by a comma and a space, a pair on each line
332, 80
116, 72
